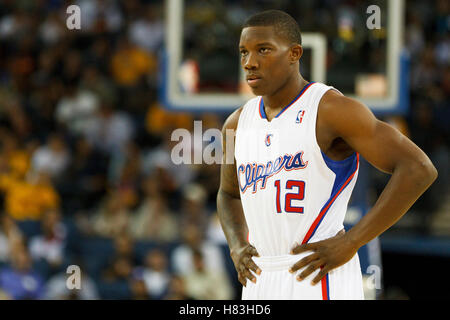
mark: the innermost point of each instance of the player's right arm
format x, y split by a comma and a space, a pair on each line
229, 209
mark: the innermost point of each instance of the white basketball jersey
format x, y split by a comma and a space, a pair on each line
291, 192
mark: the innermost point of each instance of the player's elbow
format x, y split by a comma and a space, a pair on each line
432, 172
424, 172
225, 195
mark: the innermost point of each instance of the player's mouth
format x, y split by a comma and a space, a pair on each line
253, 80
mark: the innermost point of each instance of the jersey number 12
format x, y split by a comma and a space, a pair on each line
300, 195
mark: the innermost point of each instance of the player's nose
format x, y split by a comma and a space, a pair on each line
250, 62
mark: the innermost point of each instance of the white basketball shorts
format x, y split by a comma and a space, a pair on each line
276, 282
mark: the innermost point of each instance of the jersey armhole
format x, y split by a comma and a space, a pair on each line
323, 158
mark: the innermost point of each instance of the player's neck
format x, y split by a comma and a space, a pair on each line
282, 97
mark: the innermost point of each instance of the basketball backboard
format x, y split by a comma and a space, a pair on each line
200, 64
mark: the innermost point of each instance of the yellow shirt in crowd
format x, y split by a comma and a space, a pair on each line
24, 200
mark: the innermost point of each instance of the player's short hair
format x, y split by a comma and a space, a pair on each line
283, 23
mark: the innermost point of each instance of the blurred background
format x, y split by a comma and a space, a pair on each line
86, 176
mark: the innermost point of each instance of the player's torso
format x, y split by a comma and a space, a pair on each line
284, 181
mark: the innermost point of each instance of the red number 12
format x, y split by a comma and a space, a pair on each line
300, 195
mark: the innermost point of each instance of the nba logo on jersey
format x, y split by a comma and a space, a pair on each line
300, 115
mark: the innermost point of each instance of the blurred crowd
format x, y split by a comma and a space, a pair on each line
86, 176
85, 170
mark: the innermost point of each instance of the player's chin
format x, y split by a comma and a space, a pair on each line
258, 90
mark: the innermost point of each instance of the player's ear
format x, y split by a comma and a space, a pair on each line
296, 53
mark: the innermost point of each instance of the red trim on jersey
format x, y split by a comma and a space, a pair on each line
324, 288
324, 283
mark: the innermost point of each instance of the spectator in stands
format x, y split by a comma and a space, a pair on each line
115, 282
96, 82
129, 63
15, 159
155, 274
124, 247
51, 29
98, 54
10, 236
193, 239
21, 281
121, 275
425, 73
71, 64
177, 289
121, 246
215, 232
53, 157
137, 285
76, 108
85, 180
147, 31
206, 284
193, 209
18, 119
49, 246
153, 220
112, 218
124, 172
29, 199
110, 130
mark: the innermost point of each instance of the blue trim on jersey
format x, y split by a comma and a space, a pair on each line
261, 109
343, 170
261, 103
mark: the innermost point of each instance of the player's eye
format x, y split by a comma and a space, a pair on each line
264, 50
243, 52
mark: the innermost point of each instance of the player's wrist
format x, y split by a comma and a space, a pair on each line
353, 240
238, 245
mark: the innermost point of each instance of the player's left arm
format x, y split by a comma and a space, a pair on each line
388, 150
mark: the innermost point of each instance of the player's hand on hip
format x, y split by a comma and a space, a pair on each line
243, 262
327, 255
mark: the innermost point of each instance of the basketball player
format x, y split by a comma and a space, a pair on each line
296, 159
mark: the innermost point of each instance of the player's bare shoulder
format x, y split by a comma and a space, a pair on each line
232, 121
338, 112
334, 103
